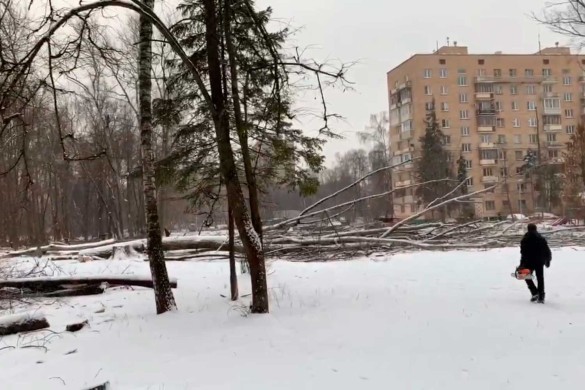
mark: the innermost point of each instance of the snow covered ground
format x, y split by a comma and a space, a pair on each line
425, 320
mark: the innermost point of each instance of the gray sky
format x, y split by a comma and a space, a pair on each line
380, 34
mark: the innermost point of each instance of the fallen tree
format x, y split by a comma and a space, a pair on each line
22, 322
52, 284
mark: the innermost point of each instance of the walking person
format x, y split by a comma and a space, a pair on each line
535, 254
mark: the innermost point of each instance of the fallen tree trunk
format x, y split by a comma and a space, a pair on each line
57, 248
22, 322
47, 284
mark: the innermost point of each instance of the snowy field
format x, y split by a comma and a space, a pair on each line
426, 320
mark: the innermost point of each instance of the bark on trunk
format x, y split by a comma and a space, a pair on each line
249, 236
233, 275
164, 298
241, 126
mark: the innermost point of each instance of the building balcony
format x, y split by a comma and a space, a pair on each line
489, 179
404, 183
553, 128
554, 144
485, 111
550, 95
487, 145
404, 135
486, 129
487, 162
552, 111
549, 80
484, 95
557, 160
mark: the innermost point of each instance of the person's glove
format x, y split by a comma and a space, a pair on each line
547, 264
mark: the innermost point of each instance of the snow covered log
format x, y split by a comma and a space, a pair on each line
169, 244
42, 250
53, 284
22, 322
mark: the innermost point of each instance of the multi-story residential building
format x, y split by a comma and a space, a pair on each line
493, 110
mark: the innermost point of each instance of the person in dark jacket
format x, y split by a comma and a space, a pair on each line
535, 255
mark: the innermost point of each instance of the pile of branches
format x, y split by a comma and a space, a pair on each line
316, 234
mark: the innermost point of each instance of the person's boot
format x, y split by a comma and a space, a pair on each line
534, 298
540, 298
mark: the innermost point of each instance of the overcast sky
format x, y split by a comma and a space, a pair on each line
380, 34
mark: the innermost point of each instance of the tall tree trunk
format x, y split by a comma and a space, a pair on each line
240, 125
233, 275
249, 236
163, 294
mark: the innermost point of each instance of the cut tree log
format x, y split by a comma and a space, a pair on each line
48, 284
56, 248
22, 322
76, 326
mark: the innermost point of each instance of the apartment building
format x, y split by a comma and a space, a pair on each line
494, 109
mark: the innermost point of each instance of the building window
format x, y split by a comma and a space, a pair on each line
497, 73
504, 172
513, 72
428, 73
444, 90
499, 90
531, 105
547, 88
515, 105
503, 154
468, 164
445, 123
528, 72
531, 122
522, 204
531, 90
502, 139
518, 155
463, 98
567, 80
519, 170
444, 106
469, 182
569, 113
443, 73
428, 90
488, 154
462, 80
553, 153
551, 137
552, 103
490, 205
499, 106
447, 140
533, 138
500, 122
488, 172
513, 89
521, 187
465, 131
516, 122
481, 71
570, 129
442, 61
466, 148
517, 138
486, 138
463, 114
547, 72
429, 106
568, 97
